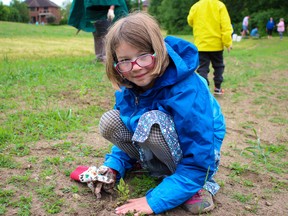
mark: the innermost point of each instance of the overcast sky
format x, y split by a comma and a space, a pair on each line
58, 2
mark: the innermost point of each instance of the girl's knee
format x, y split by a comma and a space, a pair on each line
109, 121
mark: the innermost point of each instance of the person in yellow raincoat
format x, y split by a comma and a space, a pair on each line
212, 31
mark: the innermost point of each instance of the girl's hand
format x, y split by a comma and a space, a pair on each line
136, 206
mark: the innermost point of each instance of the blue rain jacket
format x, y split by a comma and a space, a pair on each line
199, 123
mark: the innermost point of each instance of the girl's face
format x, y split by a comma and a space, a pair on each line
140, 76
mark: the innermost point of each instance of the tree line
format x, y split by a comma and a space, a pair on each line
16, 12
172, 14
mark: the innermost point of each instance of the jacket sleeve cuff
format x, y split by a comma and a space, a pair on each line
156, 207
119, 169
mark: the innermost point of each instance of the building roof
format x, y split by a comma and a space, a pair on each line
41, 3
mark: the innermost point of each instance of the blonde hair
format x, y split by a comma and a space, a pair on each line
141, 31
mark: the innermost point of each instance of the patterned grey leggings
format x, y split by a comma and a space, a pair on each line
154, 143
147, 145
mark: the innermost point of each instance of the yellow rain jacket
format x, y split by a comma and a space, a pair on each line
211, 25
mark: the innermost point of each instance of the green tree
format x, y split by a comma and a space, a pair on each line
133, 5
154, 9
4, 12
20, 12
237, 9
14, 15
174, 16
65, 11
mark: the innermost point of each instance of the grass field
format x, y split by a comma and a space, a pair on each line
52, 94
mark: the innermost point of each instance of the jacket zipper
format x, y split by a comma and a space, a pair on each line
136, 101
136, 107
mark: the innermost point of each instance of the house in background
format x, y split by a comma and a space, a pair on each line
43, 11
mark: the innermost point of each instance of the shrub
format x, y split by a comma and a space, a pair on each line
51, 19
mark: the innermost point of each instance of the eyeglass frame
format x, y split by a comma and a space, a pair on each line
135, 62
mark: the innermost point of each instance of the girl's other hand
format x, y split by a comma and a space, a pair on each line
137, 206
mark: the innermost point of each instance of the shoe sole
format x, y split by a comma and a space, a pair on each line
208, 209
218, 93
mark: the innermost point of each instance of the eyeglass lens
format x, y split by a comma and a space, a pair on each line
141, 61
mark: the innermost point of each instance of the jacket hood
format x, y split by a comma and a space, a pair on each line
183, 61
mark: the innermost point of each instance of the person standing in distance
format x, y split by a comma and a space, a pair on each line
96, 16
269, 27
245, 25
212, 31
281, 27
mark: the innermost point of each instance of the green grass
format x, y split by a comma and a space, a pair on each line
52, 95
243, 197
21, 30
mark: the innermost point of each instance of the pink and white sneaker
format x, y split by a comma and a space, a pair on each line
201, 202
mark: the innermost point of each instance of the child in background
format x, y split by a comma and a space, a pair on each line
165, 118
281, 28
254, 33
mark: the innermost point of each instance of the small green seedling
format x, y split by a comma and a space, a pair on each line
123, 192
257, 149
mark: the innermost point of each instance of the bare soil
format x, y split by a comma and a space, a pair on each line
268, 196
